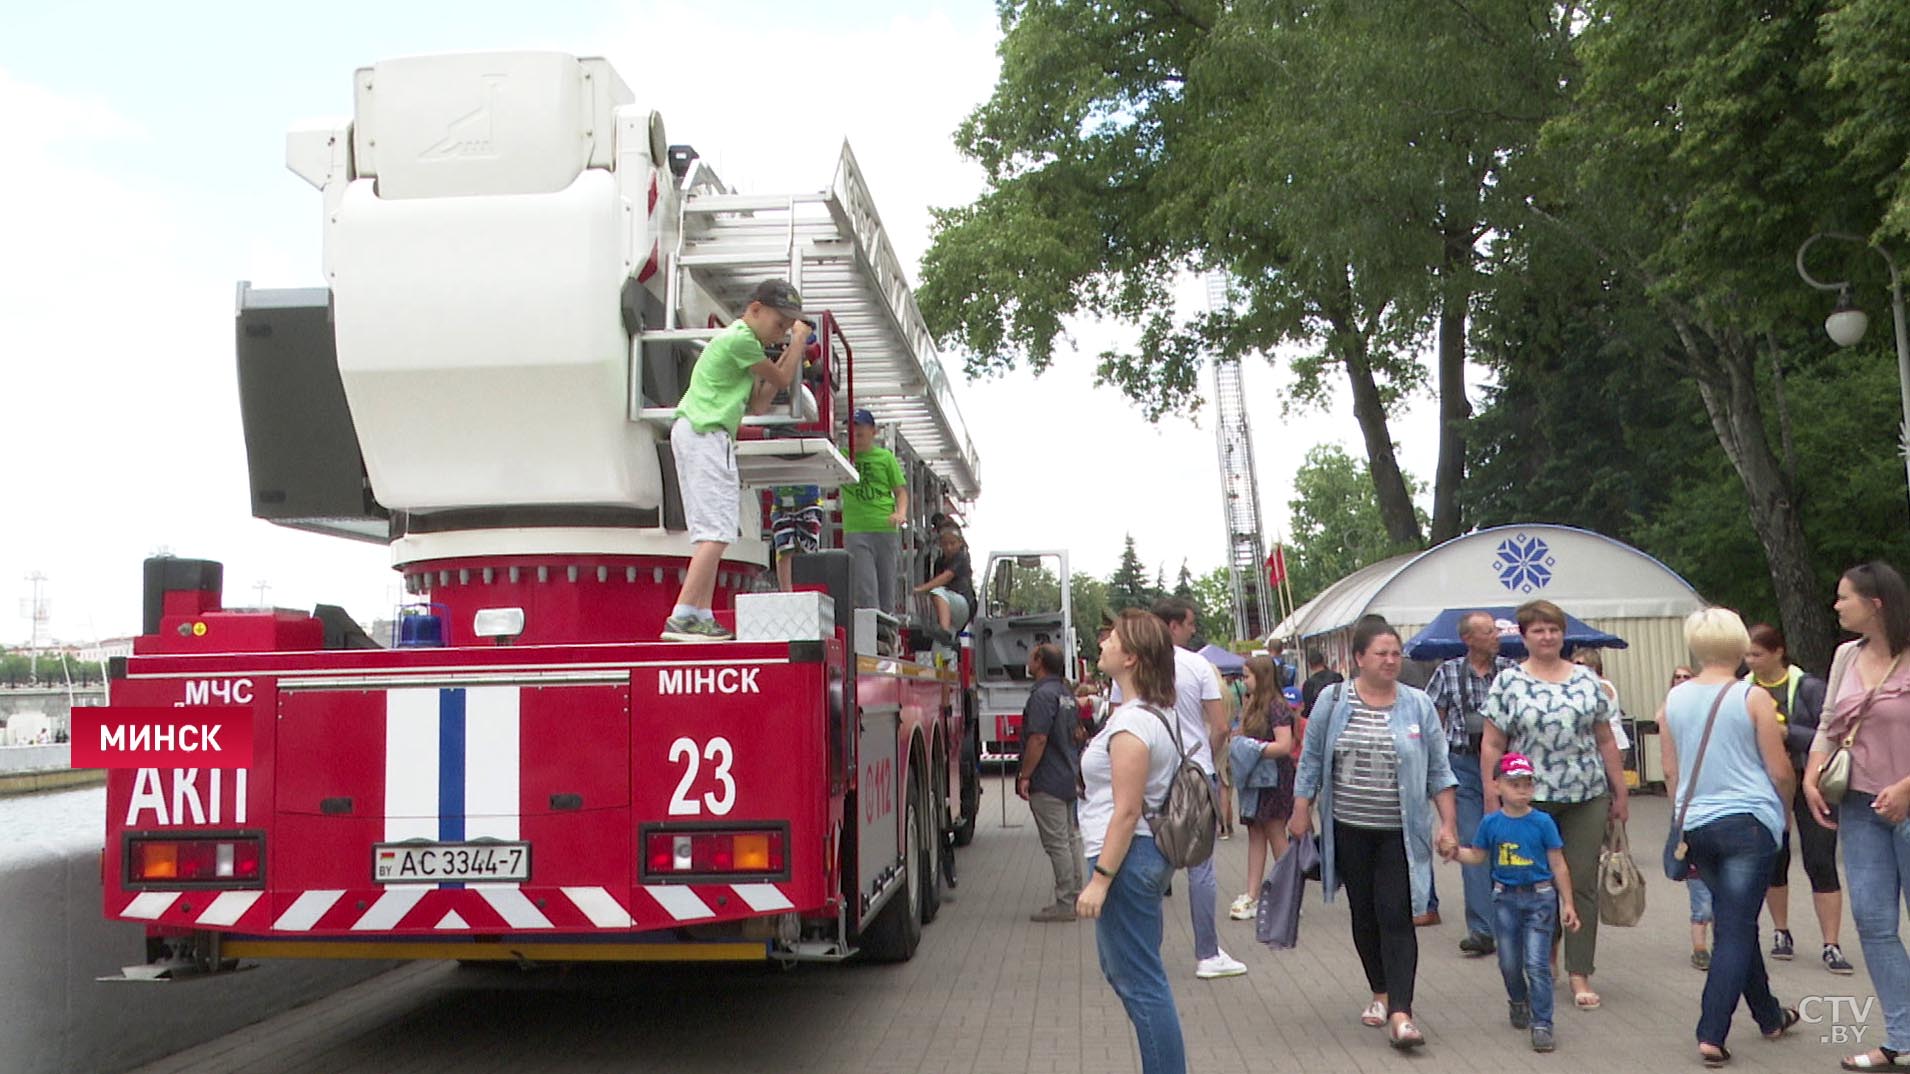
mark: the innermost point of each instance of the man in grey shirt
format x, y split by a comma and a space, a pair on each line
1049, 772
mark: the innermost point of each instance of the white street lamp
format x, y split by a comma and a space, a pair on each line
1847, 323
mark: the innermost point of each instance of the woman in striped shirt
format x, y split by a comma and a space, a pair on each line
1377, 766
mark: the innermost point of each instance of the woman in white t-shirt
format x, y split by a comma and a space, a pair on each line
1126, 770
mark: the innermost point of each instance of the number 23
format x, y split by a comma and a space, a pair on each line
716, 750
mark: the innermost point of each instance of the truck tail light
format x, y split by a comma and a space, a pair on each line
714, 852
208, 862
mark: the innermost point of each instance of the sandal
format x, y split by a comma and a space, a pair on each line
1714, 1059
1374, 1015
1404, 1035
1791, 1018
1586, 1001
1892, 1060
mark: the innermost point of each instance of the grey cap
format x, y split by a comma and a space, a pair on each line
781, 297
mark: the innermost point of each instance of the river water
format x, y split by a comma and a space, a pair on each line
55, 822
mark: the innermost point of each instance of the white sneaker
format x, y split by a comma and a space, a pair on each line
1243, 908
1221, 965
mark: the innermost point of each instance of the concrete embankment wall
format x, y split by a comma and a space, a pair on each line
55, 1018
25, 769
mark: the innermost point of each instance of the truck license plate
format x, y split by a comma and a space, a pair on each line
436, 863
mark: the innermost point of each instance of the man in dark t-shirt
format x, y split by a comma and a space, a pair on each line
1049, 767
1318, 678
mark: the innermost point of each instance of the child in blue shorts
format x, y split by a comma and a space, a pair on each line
1528, 877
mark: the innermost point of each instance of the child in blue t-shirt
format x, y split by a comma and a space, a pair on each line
1528, 875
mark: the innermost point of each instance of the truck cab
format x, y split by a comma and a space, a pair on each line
1026, 600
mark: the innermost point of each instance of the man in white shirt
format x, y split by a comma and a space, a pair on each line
1202, 716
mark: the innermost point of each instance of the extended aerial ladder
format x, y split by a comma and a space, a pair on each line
1239, 490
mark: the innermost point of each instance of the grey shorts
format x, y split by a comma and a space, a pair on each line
957, 606
706, 478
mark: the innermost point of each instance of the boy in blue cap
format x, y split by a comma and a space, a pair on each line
1528, 875
872, 509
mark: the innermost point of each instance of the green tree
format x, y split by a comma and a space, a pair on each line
1128, 586
1213, 594
1334, 522
1868, 46
1694, 159
1090, 603
1184, 582
1341, 160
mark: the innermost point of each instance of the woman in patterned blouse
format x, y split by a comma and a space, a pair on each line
1556, 713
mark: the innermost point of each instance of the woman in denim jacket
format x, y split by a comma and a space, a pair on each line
1374, 758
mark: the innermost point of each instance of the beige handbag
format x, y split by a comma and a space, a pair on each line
1621, 886
1833, 780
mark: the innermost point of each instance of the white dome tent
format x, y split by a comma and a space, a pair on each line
1607, 583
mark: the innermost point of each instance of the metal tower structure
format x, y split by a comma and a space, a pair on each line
1239, 490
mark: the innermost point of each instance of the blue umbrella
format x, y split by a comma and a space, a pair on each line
1439, 640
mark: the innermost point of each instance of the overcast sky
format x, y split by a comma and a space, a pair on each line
143, 174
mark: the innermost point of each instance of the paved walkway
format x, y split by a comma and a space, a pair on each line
992, 993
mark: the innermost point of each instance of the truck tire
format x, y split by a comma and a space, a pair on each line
971, 796
935, 844
897, 930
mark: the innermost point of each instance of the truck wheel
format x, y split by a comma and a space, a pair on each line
897, 930
971, 777
934, 845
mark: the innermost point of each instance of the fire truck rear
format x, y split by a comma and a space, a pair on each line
520, 272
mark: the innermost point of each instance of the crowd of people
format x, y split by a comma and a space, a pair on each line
1514, 770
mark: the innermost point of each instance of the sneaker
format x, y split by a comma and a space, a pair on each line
1700, 959
1521, 1014
1478, 944
1049, 914
1781, 946
1243, 908
1835, 962
695, 628
1221, 965
1542, 1039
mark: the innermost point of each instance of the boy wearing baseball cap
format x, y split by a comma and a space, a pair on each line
733, 375
1528, 875
872, 508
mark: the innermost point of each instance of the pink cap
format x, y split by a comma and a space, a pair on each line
1515, 766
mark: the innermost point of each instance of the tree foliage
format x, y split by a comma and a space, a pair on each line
1334, 522
1340, 160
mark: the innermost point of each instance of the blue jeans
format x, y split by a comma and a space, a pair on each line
1128, 937
1525, 920
1733, 855
1202, 896
1470, 803
1877, 871
1700, 897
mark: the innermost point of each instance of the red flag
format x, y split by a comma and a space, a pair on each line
1277, 565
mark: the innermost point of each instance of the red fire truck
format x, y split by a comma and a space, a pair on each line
520, 270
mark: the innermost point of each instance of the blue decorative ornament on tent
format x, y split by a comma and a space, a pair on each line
1524, 564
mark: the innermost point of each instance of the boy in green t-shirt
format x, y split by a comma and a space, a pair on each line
872, 508
732, 376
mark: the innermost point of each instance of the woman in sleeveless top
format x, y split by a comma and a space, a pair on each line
1124, 769
1870, 692
1733, 817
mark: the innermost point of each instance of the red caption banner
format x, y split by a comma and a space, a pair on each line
193, 736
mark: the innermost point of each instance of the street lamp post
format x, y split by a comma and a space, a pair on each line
1847, 323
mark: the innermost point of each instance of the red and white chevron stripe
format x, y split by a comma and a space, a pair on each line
477, 908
